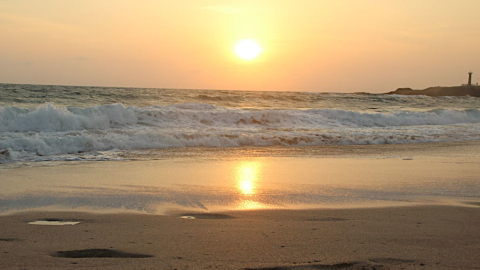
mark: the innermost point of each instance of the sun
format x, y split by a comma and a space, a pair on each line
247, 49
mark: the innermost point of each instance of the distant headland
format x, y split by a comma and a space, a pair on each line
441, 91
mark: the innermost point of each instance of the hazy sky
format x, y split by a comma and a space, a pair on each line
308, 45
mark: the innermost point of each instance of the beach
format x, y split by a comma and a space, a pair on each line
412, 206
137, 178
239, 135
229, 179
417, 237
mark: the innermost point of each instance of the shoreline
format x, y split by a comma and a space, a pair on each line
251, 178
196, 231
414, 237
316, 151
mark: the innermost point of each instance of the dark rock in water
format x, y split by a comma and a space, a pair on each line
98, 253
439, 91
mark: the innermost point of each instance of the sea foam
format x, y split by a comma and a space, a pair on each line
49, 130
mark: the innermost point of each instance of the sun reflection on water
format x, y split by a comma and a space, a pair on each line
247, 177
247, 181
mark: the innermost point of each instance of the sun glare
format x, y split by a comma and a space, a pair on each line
247, 49
247, 177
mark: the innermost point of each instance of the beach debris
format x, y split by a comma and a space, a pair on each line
54, 222
98, 253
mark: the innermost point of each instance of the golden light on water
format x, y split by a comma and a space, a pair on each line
247, 187
249, 205
247, 174
248, 183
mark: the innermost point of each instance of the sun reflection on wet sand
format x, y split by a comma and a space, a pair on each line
250, 205
247, 178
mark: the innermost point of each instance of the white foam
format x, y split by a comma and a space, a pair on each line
50, 118
49, 130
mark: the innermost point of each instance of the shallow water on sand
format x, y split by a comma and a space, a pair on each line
252, 178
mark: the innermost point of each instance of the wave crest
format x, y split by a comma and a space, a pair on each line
54, 130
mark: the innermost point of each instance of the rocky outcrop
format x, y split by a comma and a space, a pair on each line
439, 91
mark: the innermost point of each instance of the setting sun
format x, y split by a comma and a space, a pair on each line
247, 49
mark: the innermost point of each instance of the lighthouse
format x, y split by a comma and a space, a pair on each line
470, 78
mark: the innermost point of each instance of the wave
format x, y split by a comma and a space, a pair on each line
48, 130
51, 118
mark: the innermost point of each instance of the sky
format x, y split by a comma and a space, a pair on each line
307, 45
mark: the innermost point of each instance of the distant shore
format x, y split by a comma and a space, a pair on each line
441, 91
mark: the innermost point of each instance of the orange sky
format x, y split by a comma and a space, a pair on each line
308, 45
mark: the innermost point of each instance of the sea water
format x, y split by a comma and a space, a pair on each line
39, 123
215, 150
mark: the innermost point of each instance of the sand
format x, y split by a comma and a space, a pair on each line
417, 237
423, 210
251, 178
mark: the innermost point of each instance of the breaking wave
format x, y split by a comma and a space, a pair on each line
27, 133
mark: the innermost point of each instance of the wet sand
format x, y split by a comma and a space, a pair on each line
416, 237
438, 229
250, 178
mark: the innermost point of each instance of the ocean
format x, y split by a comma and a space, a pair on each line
75, 123
92, 149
